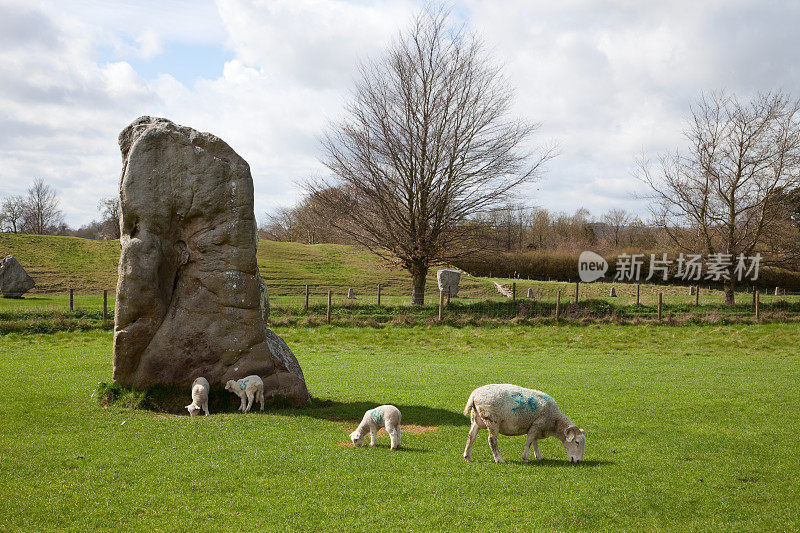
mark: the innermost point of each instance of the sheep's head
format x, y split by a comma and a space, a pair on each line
230, 386
575, 444
357, 438
193, 409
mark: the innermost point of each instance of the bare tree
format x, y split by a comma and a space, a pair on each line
109, 210
722, 195
42, 209
12, 213
617, 220
427, 143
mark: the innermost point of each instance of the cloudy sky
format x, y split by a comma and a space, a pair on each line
607, 80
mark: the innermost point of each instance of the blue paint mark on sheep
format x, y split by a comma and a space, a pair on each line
522, 403
243, 383
377, 416
519, 401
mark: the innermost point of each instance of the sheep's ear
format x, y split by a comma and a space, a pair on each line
571, 433
582, 431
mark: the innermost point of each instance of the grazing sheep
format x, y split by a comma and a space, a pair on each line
200, 390
387, 416
247, 389
513, 410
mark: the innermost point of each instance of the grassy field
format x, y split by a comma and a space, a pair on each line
89, 267
688, 428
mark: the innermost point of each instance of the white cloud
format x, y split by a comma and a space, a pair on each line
607, 81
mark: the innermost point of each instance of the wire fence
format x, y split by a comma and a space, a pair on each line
523, 300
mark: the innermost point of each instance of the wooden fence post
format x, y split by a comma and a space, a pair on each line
513, 291
449, 293
754, 295
71, 306
697, 296
328, 314
637, 294
379, 294
660, 297
558, 305
105, 305
441, 304
306, 304
577, 290
757, 305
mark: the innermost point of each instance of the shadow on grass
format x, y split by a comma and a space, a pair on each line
402, 449
557, 463
338, 411
172, 399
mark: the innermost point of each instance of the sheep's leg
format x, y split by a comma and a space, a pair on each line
473, 433
493, 445
243, 403
527, 447
261, 398
373, 436
250, 395
394, 435
536, 452
205, 408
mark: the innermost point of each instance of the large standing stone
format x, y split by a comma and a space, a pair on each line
190, 300
448, 279
14, 281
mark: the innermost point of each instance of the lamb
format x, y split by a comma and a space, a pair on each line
512, 410
386, 415
200, 390
247, 389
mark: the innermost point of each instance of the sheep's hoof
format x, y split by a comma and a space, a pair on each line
467, 458
525, 460
499, 461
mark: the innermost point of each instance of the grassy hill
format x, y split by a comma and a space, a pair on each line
60, 263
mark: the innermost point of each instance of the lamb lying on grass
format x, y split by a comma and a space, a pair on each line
247, 389
387, 416
513, 410
200, 390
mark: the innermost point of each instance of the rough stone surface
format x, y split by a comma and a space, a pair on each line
190, 300
14, 281
530, 292
351, 293
613, 292
448, 279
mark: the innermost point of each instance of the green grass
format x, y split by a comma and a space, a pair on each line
60, 263
688, 428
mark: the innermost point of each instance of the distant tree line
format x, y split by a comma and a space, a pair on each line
39, 213
510, 228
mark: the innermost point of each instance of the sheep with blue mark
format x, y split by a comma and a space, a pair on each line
387, 416
511, 410
248, 389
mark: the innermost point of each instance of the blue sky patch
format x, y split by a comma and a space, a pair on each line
186, 62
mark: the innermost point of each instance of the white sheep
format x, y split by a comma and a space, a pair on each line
200, 390
247, 389
387, 416
512, 410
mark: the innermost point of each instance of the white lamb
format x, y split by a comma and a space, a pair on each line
513, 410
200, 390
387, 416
247, 389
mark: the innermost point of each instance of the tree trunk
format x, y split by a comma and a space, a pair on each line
419, 275
730, 286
